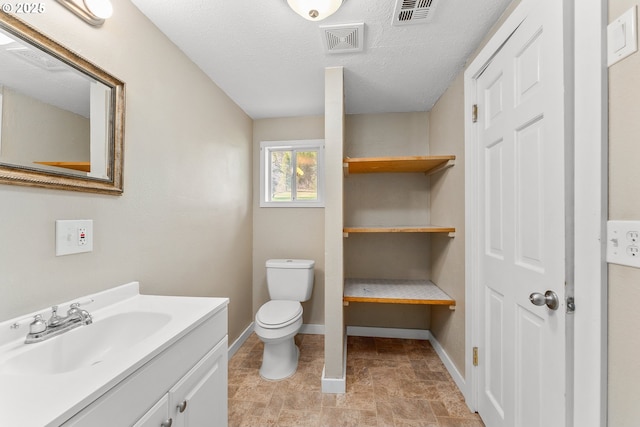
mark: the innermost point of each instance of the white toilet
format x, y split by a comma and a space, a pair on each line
289, 281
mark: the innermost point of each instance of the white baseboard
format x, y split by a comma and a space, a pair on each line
333, 385
312, 329
448, 363
305, 329
337, 385
235, 346
407, 334
415, 334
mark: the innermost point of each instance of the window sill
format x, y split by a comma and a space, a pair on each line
292, 205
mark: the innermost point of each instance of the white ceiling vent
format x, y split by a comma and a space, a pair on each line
37, 58
343, 38
410, 12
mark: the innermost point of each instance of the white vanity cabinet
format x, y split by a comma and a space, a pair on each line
198, 399
157, 416
184, 385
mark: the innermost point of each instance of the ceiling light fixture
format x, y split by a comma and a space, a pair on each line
314, 10
93, 12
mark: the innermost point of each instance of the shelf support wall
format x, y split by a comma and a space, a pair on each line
334, 376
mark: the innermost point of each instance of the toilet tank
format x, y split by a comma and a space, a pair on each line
290, 279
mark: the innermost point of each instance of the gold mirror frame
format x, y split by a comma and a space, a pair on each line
18, 175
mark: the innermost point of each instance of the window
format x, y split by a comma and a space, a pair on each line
292, 173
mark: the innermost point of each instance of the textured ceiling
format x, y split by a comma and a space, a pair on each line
60, 85
271, 61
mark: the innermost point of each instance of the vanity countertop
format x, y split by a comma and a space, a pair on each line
52, 392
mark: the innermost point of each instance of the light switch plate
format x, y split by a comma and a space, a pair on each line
623, 243
622, 36
74, 236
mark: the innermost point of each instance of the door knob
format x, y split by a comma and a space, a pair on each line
549, 298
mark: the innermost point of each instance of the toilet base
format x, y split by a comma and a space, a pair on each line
279, 359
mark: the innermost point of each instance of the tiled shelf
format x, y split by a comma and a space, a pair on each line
394, 291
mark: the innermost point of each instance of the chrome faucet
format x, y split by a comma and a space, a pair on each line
40, 330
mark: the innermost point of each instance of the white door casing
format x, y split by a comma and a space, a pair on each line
520, 244
591, 199
589, 113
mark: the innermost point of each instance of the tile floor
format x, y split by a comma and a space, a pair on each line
390, 382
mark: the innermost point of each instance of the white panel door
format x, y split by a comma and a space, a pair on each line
521, 247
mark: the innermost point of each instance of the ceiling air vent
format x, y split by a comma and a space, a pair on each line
409, 12
342, 38
37, 58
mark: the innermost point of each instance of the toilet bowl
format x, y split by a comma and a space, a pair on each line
279, 320
277, 323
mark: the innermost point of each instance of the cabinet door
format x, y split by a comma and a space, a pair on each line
200, 397
158, 416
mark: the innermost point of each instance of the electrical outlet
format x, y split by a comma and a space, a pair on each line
623, 243
82, 236
74, 236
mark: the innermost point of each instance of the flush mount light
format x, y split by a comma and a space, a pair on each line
314, 10
93, 12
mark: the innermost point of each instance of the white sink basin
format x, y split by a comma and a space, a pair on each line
75, 368
86, 345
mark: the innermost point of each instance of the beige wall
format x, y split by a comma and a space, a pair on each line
46, 133
446, 136
299, 232
287, 232
184, 223
387, 199
624, 204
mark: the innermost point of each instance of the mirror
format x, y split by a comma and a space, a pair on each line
61, 117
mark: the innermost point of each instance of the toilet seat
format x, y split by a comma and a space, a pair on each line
277, 314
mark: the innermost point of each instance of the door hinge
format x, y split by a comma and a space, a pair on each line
474, 113
475, 356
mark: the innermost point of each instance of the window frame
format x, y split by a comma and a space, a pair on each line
266, 147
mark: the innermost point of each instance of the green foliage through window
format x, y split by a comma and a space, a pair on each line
293, 173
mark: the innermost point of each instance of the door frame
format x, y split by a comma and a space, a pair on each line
586, 122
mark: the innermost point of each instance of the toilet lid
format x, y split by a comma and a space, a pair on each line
279, 313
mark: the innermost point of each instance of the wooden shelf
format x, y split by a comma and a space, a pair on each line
78, 166
424, 164
395, 291
401, 229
